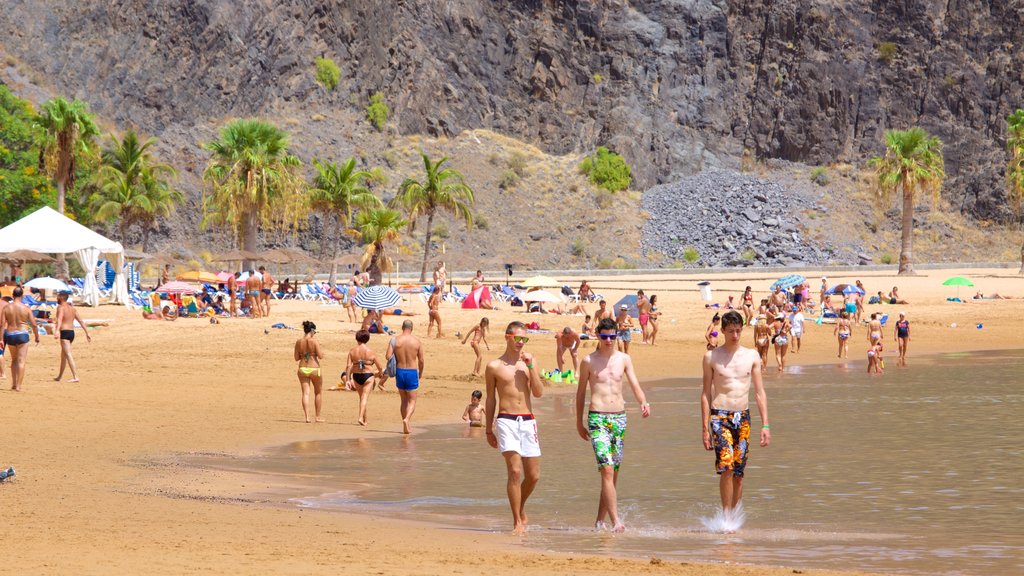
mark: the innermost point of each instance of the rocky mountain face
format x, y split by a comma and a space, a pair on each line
676, 86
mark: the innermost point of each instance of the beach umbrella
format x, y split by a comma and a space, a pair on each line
538, 296
844, 289
630, 301
540, 282
377, 297
958, 281
199, 276
48, 283
23, 256
224, 276
177, 287
788, 281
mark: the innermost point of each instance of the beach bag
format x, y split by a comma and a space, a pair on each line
392, 367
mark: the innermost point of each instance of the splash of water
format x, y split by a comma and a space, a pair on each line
726, 521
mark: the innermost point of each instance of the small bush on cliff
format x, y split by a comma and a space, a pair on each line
327, 73
607, 170
508, 180
819, 175
886, 51
377, 111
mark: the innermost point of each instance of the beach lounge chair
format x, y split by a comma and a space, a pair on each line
456, 295
512, 298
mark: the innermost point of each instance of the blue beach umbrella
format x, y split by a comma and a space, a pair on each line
377, 297
788, 281
630, 302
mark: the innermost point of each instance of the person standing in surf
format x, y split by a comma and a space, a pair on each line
604, 425
729, 372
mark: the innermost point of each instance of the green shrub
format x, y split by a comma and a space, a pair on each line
819, 175
607, 170
516, 162
441, 231
749, 254
598, 78
886, 258
508, 180
691, 255
579, 247
377, 111
480, 221
887, 51
327, 73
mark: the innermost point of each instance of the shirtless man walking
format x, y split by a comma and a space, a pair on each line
643, 306
14, 318
602, 312
267, 283
729, 371
66, 317
605, 424
512, 382
409, 363
252, 290
567, 339
232, 286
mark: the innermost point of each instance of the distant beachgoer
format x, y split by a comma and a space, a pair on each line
16, 273
474, 412
286, 288
875, 358
778, 298
479, 334
655, 316
625, 324
3, 345
65, 333
604, 425
763, 309
748, 305
165, 275
711, 334
780, 338
512, 380
991, 296
643, 306
824, 288
253, 286
14, 320
440, 275
477, 281
361, 377
585, 293
901, 333
874, 329
843, 331
267, 284
308, 355
850, 305
357, 279
587, 330
233, 293
569, 340
796, 322
602, 311
350, 301
894, 297
762, 339
729, 372
409, 360
434, 312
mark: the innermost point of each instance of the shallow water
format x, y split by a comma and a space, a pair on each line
919, 470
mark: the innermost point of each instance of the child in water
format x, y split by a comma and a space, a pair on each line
875, 358
474, 413
478, 333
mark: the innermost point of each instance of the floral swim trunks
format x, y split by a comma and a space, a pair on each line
606, 432
730, 433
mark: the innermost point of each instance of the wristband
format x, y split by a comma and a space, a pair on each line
530, 366
648, 404
765, 427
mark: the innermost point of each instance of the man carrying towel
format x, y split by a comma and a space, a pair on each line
512, 382
13, 320
409, 363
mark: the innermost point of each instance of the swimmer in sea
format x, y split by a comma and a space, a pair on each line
308, 355
842, 333
875, 358
474, 412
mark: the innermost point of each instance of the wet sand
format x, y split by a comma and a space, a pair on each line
100, 488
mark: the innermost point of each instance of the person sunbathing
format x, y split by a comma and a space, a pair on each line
992, 296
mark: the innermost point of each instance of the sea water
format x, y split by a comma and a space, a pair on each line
916, 471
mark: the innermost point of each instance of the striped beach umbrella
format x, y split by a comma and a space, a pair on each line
377, 297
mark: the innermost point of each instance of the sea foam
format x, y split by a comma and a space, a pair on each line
726, 521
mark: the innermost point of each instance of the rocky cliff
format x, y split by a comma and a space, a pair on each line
676, 86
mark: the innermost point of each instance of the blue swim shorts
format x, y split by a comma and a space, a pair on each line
407, 379
851, 308
16, 338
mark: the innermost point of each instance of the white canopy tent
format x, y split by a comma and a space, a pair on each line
50, 232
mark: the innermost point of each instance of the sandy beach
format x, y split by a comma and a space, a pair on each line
99, 488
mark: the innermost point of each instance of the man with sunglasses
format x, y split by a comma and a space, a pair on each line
512, 380
605, 424
729, 371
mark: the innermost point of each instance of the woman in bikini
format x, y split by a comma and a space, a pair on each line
780, 337
434, 312
711, 334
478, 333
653, 320
308, 355
762, 337
748, 305
360, 359
843, 332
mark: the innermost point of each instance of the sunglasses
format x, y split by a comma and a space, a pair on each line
521, 339
607, 336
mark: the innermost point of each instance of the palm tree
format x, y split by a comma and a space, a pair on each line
376, 227
68, 132
131, 187
1015, 171
442, 189
912, 161
337, 190
252, 181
